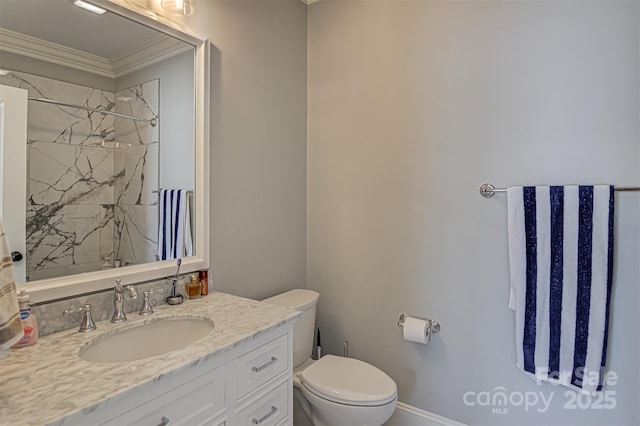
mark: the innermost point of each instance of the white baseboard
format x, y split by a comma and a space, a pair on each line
408, 415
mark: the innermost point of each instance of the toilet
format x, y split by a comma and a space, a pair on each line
334, 390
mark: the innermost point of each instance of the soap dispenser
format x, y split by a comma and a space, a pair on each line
193, 287
107, 263
29, 322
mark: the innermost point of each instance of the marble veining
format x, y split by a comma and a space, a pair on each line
43, 383
136, 205
74, 183
51, 320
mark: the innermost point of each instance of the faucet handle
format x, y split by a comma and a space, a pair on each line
87, 323
131, 289
147, 307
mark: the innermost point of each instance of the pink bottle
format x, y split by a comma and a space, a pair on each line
29, 322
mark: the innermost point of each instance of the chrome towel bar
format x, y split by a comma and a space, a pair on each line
487, 190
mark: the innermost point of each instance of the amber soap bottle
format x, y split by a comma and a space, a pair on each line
193, 287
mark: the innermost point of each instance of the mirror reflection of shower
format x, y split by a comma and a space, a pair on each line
90, 176
108, 141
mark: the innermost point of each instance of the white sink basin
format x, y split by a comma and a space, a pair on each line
147, 340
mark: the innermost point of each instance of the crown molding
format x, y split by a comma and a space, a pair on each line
43, 50
148, 54
153, 52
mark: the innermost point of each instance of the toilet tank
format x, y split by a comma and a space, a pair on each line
305, 301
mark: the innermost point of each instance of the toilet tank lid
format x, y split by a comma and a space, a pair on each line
299, 299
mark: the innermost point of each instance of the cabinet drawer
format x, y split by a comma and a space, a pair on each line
285, 422
269, 410
193, 403
261, 365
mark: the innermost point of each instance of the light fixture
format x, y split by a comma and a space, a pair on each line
178, 7
4, 72
88, 6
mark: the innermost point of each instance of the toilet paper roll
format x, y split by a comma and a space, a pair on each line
416, 330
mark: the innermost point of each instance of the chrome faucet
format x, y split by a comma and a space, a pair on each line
147, 307
118, 301
86, 324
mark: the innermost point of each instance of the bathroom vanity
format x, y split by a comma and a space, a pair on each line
240, 373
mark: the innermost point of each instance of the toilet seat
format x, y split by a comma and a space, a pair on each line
348, 381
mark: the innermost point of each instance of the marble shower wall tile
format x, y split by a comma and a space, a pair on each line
69, 178
141, 101
63, 271
138, 175
74, 185
136, 214
107, 231
70, 174
136, 236
61, 236
64, 125
140, 162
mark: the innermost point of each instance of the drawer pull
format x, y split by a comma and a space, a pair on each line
163, 421
263, 366
274, 410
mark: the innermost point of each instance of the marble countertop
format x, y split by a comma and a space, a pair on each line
45, 382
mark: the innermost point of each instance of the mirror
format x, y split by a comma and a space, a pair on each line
93, 179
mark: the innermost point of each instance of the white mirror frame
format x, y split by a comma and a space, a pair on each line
68, 286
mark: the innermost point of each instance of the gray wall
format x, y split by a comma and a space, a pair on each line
411, 106
258, 143
177, 138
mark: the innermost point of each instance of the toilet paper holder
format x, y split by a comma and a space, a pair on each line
434, 326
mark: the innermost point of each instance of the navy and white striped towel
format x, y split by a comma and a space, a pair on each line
174, 229
561, 260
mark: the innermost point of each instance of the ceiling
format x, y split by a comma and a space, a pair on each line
60, 22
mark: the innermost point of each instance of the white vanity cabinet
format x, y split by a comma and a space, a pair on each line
250, 384
196, 401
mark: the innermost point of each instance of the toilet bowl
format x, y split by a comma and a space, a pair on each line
334, 390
